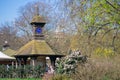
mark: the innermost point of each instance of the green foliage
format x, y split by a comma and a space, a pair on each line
21, 72
105, 52
106, 78
102, 12
97, 25
59, 66
0, 48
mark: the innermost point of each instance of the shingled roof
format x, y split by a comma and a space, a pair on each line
9, 52
35, 47
38, 19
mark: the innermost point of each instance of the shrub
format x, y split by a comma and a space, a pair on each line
25, 71
105, 52
98, 69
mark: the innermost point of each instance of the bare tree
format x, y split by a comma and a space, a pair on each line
27, 12
9, 33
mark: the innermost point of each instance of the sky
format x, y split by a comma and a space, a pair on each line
9, 9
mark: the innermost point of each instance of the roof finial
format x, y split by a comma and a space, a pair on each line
6, 42
37, 9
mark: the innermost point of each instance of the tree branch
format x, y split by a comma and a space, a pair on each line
112, 5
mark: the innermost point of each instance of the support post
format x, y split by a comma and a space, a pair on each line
53, 61
33, 61
12, 64
16, 64
25, 60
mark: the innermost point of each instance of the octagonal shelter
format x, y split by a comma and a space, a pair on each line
36, 51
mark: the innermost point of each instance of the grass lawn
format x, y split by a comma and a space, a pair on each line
20, 79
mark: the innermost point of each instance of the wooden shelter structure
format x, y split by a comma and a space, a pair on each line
36, 51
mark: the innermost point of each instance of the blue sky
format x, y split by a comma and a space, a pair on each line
9, 9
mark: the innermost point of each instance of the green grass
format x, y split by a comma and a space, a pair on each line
20, 79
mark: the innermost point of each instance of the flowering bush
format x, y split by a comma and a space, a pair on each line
68, 64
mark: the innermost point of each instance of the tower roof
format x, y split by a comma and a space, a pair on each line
35, 47
38, 19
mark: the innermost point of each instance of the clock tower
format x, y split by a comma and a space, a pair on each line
37, 49
38, 23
